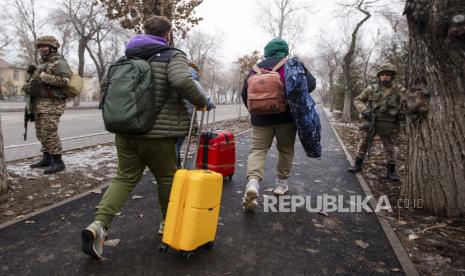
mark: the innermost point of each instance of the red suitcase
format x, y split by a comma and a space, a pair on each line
217, 152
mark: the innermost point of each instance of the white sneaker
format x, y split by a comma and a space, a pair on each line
281, 187
249, 201
161, 228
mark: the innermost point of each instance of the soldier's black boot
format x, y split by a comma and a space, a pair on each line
357, 165
391, 173
57, 165
46, 161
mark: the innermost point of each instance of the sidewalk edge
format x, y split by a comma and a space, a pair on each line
50, 207
404, 260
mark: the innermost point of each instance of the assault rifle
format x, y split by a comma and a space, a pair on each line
371, 128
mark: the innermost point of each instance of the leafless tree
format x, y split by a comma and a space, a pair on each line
107, 46
26, 24
201, 48
329, 55
86, 18
65, 33
367, 54
5, 39
361, 6
204, 50
284, 19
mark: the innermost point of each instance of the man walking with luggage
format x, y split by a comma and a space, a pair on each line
155, 149
383, 101
265, 127
44, 91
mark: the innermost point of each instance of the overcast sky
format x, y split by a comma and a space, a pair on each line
237, 22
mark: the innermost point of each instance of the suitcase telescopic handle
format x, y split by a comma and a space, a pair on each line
214, 119
189, 136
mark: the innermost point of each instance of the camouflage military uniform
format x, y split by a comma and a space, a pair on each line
385, 102
49, 105
47, 101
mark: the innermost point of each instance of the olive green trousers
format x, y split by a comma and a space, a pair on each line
134, 155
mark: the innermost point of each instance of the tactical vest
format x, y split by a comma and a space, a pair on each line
386, 104
36, 88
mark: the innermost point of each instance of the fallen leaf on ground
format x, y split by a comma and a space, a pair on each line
413, 237
8, 213
137, 197
97, 192
362, 244
112, 243
29, 222
118, 214
141, 215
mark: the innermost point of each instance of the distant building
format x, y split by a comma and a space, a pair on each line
12, 79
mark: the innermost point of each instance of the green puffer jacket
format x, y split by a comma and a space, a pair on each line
173, 83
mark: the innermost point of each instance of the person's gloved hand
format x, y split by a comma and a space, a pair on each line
30, 69
367, 115
210, 104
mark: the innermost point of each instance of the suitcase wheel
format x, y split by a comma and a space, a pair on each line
230, 177
163, 248
187, 254
209, 245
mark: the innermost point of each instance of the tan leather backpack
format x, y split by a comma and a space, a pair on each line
265, 92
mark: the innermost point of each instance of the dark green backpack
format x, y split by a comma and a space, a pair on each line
129, 100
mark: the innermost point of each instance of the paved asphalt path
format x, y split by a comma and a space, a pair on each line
73, 124
299, 243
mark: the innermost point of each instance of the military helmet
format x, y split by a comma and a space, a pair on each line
48, 40
387, 67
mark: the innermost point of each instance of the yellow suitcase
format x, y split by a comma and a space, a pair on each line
193, 209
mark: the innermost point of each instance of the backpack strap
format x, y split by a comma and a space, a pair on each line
279, 65
257, 70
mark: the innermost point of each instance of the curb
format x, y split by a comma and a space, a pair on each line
402, 256
48, 208
5, 110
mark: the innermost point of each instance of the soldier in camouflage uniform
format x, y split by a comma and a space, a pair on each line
383, 100
47, 101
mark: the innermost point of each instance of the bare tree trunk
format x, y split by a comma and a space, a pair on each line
436, 136
81, 50
346, 67
3, 176
332, 93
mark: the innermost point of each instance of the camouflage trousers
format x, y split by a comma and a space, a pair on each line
388, 145
47, 132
